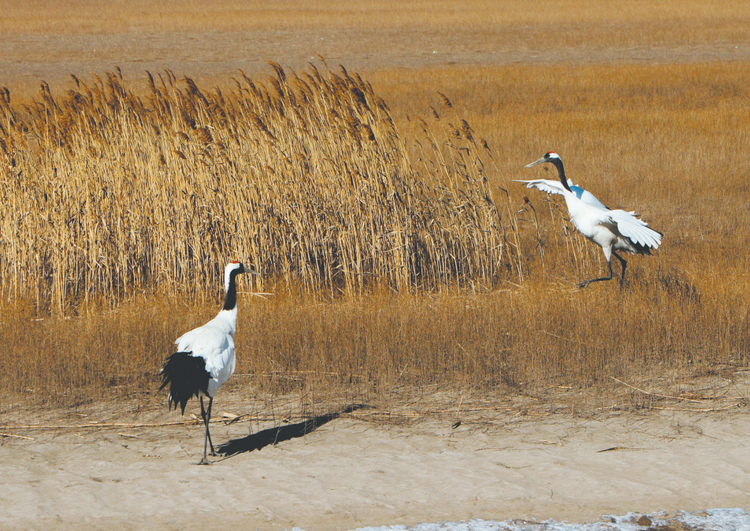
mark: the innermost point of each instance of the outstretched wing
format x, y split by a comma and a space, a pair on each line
551, 187
556, 187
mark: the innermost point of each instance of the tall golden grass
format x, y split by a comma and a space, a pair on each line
304, 175
666, 141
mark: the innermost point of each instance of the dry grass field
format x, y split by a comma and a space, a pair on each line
565, 22
398, 258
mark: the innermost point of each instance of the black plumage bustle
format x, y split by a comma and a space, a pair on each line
640, 248
186, 376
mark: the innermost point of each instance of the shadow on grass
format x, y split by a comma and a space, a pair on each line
279, 434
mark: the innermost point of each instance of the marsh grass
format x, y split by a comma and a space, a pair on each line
665, 141
382, 349
556, 23
304, 176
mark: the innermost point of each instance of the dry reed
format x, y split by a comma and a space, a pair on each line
653, 139
304, 175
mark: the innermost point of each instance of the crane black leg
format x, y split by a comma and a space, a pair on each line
624, 264
211, 444
207, 439
205, 421
608, 277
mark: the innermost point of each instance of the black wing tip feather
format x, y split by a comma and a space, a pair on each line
186, 376
642, 249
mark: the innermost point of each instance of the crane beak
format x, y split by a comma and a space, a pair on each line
539, 161
251, 270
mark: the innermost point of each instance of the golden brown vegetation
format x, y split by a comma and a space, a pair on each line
665, 141
211, 40
556, 22
305, 176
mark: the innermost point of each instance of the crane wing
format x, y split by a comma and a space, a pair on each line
213, 345
545, 185
556, 187
635, 229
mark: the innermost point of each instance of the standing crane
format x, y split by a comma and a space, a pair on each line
205, 356
612, 230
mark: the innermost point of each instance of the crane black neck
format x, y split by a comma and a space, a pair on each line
561, 172
230, 298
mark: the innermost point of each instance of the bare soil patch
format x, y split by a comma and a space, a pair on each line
511, 461
430, 456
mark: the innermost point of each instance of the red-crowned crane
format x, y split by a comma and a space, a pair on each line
205, 356
612, 230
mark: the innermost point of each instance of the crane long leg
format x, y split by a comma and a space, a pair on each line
205, 421
210, 404
624, 264
207, 439
608, 277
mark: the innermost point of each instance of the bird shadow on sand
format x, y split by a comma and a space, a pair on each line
260, 440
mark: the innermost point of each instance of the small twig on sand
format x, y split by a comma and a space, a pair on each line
614, 448
95, 425
16, 436
698, 410
657, 394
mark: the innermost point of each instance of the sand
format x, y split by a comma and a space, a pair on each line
352, 472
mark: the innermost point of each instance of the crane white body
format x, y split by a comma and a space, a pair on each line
205, 357
214, 342
612, 230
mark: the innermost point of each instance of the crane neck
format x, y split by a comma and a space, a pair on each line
230, 287
561, 173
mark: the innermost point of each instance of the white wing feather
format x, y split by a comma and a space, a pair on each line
551, 187
635, 229
556, 187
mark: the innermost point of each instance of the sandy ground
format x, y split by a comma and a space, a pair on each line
352, 472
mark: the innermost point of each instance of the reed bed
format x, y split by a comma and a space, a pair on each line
666, 141
305, 176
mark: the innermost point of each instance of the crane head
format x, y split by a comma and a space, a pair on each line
548, 157
238, 268
234, 267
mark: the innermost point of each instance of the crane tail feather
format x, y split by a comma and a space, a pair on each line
641, 249
186, 376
